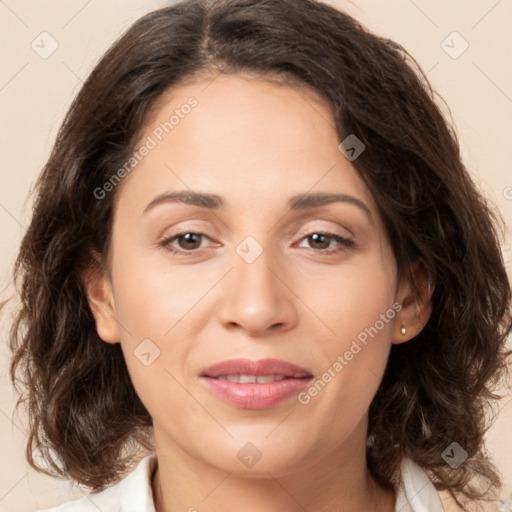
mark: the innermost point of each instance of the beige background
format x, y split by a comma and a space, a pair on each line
35, 93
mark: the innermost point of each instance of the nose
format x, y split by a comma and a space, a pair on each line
257, 297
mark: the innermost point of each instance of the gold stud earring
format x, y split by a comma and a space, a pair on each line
403, 330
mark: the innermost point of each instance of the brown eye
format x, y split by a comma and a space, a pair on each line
189, 240
186, 242
321, 242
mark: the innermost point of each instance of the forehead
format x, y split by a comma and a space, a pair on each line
245, 134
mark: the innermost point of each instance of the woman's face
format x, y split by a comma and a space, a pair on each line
255, 279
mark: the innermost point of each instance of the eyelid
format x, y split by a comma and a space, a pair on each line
334, 220
345, 232
328, 230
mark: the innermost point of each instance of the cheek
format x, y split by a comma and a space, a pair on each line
357, 305
353, 298
365, 326
157, 306
151, 295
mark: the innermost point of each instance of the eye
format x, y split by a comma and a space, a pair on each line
323, 239
189, 242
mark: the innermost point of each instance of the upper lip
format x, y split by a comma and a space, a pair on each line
262, 367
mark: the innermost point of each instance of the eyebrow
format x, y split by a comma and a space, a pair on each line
215, 202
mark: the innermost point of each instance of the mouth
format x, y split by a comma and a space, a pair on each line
251, 379
245, 368
255, 384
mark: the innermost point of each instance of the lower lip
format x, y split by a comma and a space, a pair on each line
255, 396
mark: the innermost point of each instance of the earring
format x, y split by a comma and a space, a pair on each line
403, 330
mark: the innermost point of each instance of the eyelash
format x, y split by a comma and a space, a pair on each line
345, 242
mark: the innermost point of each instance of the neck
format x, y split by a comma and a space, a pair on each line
378, 499
340, 479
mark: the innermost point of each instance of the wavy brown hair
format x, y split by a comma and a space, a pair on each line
85, 417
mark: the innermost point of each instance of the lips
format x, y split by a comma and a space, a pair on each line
255, 384
263, 367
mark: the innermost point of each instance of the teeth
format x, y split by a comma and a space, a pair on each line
251, 379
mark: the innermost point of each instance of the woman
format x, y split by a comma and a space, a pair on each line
256, 253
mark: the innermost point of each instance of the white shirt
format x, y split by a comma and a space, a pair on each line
416, 492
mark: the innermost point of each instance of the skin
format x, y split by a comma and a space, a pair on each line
255, 144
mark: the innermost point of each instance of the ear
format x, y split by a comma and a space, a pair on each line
416, 304
98, 288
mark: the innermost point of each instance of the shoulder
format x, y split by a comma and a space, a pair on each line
131, 494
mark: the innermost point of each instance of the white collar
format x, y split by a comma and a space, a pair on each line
416, 492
